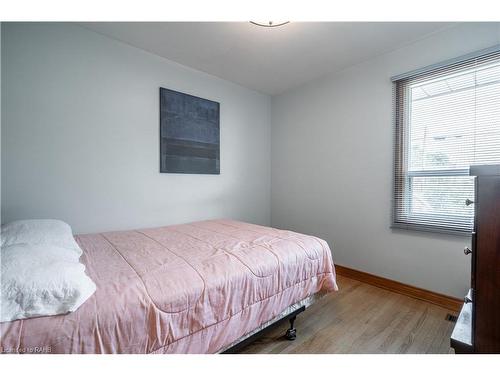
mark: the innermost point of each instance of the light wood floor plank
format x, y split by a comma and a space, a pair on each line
361, 318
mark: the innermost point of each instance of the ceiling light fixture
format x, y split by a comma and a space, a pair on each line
269, 23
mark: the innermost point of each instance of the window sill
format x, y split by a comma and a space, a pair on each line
431, 229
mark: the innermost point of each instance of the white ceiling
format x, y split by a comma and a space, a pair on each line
269, 60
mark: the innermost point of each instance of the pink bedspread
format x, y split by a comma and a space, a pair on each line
192, 288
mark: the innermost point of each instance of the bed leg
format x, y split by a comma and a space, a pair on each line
291, 333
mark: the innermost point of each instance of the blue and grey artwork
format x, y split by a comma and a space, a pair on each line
189, 134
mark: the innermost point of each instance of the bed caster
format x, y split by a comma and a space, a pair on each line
291, 333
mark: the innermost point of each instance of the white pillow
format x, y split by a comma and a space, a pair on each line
39, 280
39, 232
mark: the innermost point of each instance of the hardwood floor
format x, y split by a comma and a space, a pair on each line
361, 318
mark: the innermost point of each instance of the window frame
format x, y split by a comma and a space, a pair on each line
402, 177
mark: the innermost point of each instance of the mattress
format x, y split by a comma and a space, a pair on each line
191, 288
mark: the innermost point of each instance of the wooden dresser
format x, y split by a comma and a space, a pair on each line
478, 325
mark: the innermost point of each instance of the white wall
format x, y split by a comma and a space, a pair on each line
332, 166
80, 142
80, 128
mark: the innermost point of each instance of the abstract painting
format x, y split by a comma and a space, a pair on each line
189, 134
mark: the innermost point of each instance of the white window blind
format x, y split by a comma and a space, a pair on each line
447, 119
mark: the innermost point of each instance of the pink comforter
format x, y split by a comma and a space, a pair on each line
192, 288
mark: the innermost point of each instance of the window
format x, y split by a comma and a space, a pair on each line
447, 119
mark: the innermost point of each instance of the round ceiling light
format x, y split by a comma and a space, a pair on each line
269, 23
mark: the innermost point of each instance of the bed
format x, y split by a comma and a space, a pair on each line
201, 287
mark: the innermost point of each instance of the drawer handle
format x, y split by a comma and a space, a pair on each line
467, 299
467, 251
468, 202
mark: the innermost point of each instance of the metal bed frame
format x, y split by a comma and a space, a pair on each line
290, 334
